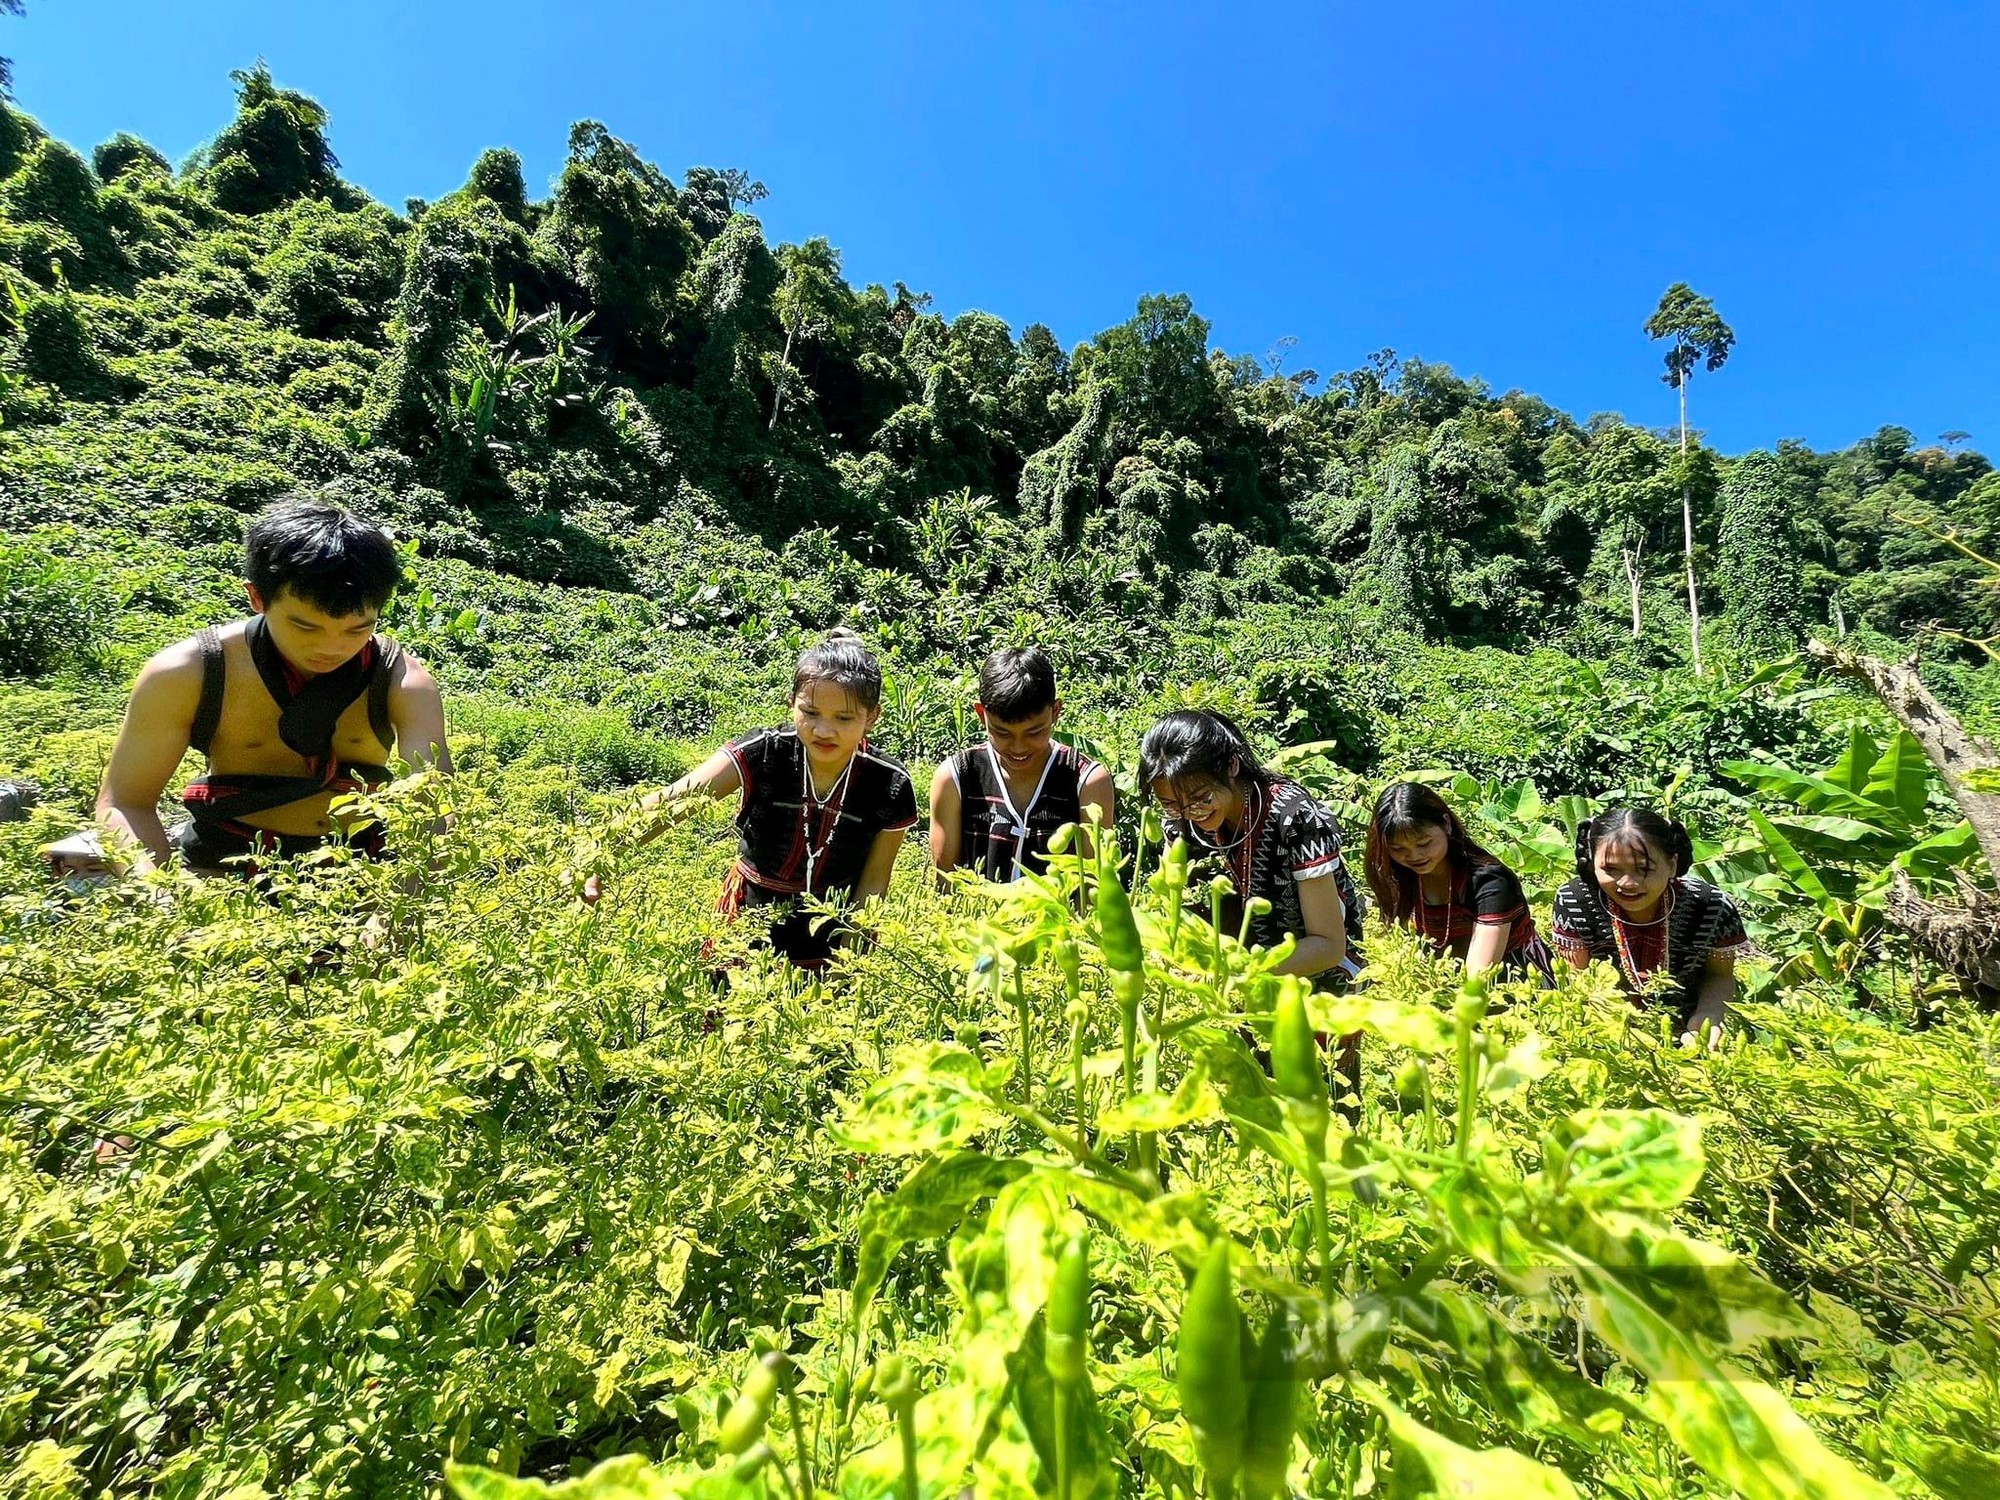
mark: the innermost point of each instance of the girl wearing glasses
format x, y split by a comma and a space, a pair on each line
1271, 839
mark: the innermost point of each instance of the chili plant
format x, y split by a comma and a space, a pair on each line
1435, 1297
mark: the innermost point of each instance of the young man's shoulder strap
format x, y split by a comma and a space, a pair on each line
388, 654
208, 712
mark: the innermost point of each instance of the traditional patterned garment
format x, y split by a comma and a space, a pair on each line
1696, 923
309, 710
1487, 894
1286, 837
998, 839
790, 841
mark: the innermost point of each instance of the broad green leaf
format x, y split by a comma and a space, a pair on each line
1739, 1430
928, 1204
1702, 1290
1632, 1158
1429, 1463
1418, 1027
1031, 1214
1192, 1101
1901, 778
1937, 855
1955, 1470
1789, 859
1856, 761
1094, 1472
935, 1099
1813, 793
1524, 1062
1529, 1389
1850, 832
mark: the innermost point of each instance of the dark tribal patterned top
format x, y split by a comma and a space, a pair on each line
790, 841
1286, 837
1698, 922
998, 839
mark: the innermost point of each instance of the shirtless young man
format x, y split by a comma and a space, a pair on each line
292, 707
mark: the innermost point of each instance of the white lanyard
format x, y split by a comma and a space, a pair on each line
1020, 828
812, 810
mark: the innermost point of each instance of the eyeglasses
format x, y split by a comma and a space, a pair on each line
1194, 809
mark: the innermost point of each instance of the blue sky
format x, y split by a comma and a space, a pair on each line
1506, 189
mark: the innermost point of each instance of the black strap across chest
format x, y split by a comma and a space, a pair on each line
309, 710
311, 731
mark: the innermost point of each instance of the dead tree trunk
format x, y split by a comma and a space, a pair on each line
1962, 938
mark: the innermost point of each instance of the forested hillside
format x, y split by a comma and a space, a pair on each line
623, 386
312, 1191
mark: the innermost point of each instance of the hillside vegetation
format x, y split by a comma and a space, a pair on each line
512, 1184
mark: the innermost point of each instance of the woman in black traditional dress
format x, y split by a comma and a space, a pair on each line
1674, 938
1426, 872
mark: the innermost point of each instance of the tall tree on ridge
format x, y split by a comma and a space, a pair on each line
1699, 337
807, 301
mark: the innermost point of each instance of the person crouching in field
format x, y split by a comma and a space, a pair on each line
822, 811
1426, 872
293, 707
1633, 901
1272, 839
995, 806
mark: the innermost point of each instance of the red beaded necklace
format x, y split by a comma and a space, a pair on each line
1621, 936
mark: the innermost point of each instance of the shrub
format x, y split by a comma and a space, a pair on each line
53, 613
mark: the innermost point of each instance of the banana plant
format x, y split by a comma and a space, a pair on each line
1823, 847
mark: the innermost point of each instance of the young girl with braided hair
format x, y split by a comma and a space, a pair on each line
823, 812
1674, 938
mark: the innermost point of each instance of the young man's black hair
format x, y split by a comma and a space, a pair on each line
1016, 684
323, 553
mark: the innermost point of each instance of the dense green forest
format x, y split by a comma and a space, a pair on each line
513, 1186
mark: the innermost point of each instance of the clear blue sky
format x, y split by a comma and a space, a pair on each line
1506, 189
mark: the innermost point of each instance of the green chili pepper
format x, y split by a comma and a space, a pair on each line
893, 1381
1063, 1351
1210, 1373
746, 1468
1295, 1054
1410, 1080
1069, 961
751, 1411
1118, 929
1354, 1156
1125, 956
1267, 1443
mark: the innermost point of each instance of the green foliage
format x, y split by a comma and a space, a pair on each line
53, 612
53, 188
124, 154
519, 1184
331, 274
18, 133
1757, 570
53, 342
614, 221
1530, 1301
1405, 547
497, 177
273, 152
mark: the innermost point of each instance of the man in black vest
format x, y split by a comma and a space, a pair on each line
292, 707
